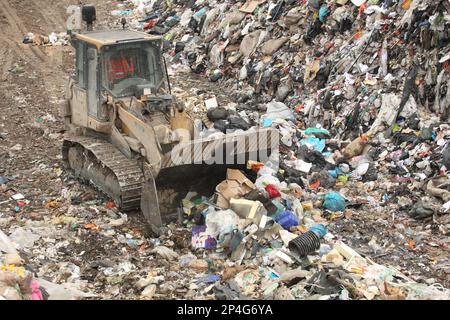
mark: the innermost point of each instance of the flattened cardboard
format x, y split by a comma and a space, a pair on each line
236, 186
251, 5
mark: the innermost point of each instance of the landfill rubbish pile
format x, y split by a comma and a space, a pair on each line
17, 281
359, 92
351, 67
53, 39
333, 63
353, 206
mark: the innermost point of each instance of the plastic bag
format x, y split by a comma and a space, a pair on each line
317, 144
6, 245
334, 202
222, 221
165, 252
272, 191
265, 180
287, 219
24, 238
278, 110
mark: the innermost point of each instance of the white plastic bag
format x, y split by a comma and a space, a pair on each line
219, 221
6, 245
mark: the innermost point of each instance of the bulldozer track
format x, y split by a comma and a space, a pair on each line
104, 155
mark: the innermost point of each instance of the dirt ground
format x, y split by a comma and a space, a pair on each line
32, 79
32, 84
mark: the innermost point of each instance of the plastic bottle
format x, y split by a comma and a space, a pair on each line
298, 208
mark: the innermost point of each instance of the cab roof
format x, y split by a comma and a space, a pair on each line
109, 37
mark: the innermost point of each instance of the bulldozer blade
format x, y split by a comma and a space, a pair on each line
150, 205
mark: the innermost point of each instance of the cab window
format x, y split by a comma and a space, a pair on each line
126, 66
81, 64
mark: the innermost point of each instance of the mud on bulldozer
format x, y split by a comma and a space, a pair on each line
125, 132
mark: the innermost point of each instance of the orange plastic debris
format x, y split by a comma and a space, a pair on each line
358, 35
51, 204
90, 226
299, 108
315, 185
256, 167
110, 205
364, 138
358, 270
406, 4
362, 8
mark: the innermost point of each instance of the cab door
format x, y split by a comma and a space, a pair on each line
92, 82
77, 88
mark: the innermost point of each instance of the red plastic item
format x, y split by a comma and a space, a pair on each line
447, 65
150, 24
110, 205
272, 191
315, 185
299, 108
362, 8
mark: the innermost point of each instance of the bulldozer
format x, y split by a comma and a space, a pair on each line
125, 131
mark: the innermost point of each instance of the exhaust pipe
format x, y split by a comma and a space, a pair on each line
88, 14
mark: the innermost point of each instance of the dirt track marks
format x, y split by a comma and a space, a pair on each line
49, 13
18, 30
7, 60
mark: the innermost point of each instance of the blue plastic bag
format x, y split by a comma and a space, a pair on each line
208, 279
334, 202
287, 219
200, 13
333, 173
317, 144
323, 13
267, 122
